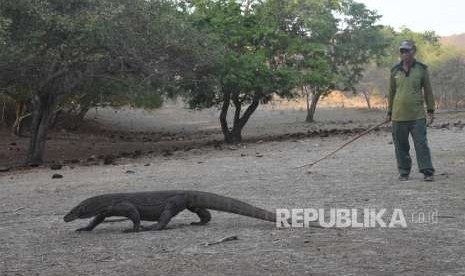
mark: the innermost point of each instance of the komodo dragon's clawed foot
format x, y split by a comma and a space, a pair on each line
198, 223
135, 229
84, 229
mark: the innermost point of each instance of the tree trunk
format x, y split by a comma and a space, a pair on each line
367, 98
234, 135
224, 117
3, 120
20, 116
42, 109
311, 111
240, 122
307, 98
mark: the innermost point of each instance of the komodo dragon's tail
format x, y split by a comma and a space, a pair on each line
228, 204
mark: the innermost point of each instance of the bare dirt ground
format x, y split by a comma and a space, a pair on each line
34, 240
128, 132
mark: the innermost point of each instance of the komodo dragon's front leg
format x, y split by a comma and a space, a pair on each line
123, 209
172, 206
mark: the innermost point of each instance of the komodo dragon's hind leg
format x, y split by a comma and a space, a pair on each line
203, 214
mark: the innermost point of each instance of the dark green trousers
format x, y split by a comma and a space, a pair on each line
400, 134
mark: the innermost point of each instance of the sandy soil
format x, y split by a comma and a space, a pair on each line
34, 240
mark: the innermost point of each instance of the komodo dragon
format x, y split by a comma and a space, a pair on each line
160, 206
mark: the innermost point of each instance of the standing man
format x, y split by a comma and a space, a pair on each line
409, 89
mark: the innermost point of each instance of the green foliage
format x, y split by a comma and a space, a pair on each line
150, 101
445, 63
358, 42
253, 41
98, 51
427, 43
448, 78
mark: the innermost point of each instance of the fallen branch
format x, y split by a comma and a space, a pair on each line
225, 239
13, 211
105, 259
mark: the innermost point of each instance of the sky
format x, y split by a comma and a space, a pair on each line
445, 17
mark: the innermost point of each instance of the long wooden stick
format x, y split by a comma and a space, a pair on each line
341, 147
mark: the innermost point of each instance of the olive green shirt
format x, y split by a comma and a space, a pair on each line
408, 92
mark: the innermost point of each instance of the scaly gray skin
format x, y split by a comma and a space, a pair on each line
160, 206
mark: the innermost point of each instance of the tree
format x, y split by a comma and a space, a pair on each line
448, 79
356, 41
374, 80
54, 49
257, 45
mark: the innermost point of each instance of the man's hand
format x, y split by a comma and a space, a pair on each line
430, 119
388, 118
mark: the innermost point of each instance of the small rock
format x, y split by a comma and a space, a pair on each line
258, 155
56, 166
196, 151
243, 155
108, 159
167, 153
14, 144
146, 165
57, 176
130, 172
390, 142
324, 134
445, 125
4, 168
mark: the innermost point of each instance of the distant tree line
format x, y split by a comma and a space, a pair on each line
446, 65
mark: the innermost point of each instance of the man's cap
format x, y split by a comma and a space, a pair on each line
407, 44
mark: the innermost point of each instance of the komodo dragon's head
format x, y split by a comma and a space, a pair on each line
86, 209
